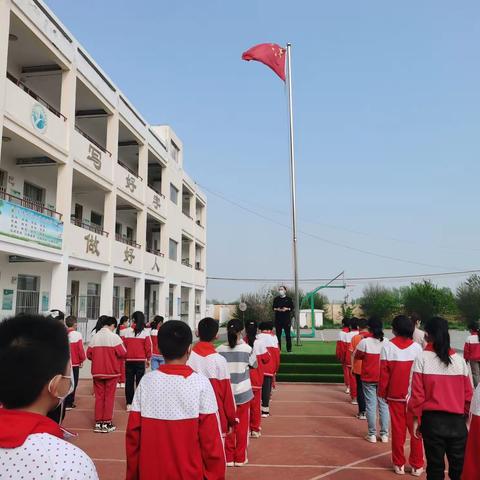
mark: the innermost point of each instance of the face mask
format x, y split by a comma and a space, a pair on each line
282, 293
70, 390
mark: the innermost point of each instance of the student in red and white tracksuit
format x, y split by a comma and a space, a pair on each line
205, 360
471, 466
341, 351
440, 394
396, 361
122, 325
271, 368
347, 362
257, 375
106, 352
471, 353
77, 356
138, 344
368, 350
175, 413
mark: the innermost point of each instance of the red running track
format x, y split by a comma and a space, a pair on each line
312, 434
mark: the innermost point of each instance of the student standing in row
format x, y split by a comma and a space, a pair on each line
139, 350
240, 357
77, 356
368, 350
396, 362
267, 336
205, 360
257, 376
471, 353
157, 357
357, 365
348, 358
32, 445
342, 350
122, 325
471, 467
441, 391
106, 352
172, 430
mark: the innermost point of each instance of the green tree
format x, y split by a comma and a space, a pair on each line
381, 302
259, 306
428, 300
468, 299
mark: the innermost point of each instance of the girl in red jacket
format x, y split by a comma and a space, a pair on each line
139, 351
471, 468
341, 351
122, 325
396, 362
256, 375
368, 350
471, 353
440, 396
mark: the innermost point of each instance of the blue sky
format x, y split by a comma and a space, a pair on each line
387, 117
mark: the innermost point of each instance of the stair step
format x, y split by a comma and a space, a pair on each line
310, 377
307, 358
333, 368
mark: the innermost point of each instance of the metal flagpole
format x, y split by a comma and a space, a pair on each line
294, 195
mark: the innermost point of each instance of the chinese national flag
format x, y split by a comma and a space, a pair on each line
270, 54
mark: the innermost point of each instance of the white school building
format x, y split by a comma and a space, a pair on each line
97, 215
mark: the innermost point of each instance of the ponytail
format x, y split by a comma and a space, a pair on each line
438, 336
375, 326
251, 330
234, 327
139, 320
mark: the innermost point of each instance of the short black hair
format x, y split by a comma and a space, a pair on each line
109, 321
207, 329
403, 326
174, 338
57, 315
266, 325
33, 350
362, 323
70, 321
353, 323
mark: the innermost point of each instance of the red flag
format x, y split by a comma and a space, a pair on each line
270, 54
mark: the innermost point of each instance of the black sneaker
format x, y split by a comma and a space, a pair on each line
108, 427
98, 427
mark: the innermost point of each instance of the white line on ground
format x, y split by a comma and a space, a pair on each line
349, 465
314, 436
259, 465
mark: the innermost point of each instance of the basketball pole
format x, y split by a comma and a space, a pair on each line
294, 194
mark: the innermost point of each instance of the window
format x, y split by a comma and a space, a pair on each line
174, 194
28, 288
172, 249
3, 180
79, 212
33, 193
130, 233
96, 218
118, 228
174, 151
93, 300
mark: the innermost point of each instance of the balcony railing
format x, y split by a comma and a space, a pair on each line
156, 191
88, 226
128, 169
127, 241
91, 140
35, 96
186, 262
155, 252
31, 204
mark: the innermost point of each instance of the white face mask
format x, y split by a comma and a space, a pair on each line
282, 292
70, 390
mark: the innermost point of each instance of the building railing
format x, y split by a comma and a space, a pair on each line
186, 262
30, 204
127, 241
91, 140
156, 191
155, 252
27, 301
35, 96
128, 169
88, 226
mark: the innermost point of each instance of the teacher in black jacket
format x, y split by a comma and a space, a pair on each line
283, 308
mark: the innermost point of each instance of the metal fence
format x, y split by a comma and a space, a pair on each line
27, 301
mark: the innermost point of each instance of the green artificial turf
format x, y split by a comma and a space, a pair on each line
316, 347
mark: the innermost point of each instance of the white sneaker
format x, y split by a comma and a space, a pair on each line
384, 438
416, 472
371, 438
362, 416
255, 434
98, 427
354, 401
129, 407
399, 470
241, 464
230, 464
347, 390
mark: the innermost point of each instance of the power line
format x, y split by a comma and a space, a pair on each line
347, 279
322, 239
